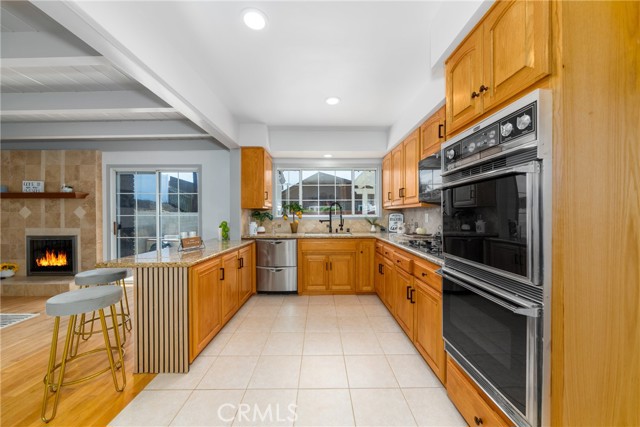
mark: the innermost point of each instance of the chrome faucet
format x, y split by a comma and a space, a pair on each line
341, 225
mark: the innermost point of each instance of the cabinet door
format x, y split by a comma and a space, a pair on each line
379, 276
516, 48
428, 327
205, 319
247, 274
364, 260
341, 272
404, 306
387, 190
411, 148
397, 180
464, 76
432, 134
314, 272
268, 180
229, 284
389, 284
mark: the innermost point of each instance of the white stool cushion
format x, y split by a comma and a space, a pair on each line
100, 276
83, 300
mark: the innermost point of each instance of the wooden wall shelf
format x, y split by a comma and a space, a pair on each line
74, 195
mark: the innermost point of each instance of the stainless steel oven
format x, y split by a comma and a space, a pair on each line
496, 337
496, 195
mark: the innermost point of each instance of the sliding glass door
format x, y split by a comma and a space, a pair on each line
151, 209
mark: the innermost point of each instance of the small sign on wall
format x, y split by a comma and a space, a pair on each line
33, 186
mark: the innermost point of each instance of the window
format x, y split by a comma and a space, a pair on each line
316, 189
152, 208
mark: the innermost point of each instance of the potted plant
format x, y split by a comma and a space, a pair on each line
8, 269
294, 211
260, 217
374, 223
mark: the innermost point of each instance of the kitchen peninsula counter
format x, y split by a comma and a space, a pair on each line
163, 311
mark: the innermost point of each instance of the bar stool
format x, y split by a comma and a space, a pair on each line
97, 277
72, 304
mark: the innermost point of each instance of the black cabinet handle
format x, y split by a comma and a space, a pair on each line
474, 94
408, 287
411, 296
222, 273
484, 88
266, 195
441, 130
424, 274
477, 420
242, 262
389, 195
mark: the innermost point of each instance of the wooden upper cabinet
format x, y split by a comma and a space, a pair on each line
397, 175
257, 178
432, 133
463, 79
387, 191
516, 42
411, 146
507, 52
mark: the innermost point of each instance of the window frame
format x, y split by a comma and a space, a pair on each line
352, 167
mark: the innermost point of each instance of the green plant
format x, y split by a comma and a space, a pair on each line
225, 230
372, 221
261, 216
291, 209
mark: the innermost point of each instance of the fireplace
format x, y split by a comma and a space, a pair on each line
51, 255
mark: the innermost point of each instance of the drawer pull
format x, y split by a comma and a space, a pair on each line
477, 420
408, 287
411, 296
222, 273
424, 274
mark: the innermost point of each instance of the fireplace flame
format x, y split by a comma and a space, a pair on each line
52, 259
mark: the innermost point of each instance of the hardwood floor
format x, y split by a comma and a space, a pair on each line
24, 352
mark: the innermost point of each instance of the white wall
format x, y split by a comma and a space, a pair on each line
215, 182
313, 143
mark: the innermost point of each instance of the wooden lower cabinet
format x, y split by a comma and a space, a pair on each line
471, 402
427, 336
205, 319
365, 281
379, 276
404, 301
328, 266
217, 289
247, 274
389, 285
229, 283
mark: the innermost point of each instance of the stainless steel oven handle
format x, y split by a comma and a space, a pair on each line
531, 167
526, 308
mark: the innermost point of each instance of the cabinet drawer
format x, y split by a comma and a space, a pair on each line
328, 245
403, 261
426, 272
469, 402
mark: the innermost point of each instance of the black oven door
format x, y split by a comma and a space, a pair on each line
495, 337
491, 222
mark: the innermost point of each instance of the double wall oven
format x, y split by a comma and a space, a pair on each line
496, 243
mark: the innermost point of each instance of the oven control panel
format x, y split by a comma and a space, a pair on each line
515, 129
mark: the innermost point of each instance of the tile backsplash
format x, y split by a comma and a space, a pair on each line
418, 218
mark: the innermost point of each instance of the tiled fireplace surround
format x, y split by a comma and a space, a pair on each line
81, 169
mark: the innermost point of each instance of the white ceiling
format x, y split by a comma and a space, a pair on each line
200, 59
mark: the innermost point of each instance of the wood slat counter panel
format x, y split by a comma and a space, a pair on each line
162, 319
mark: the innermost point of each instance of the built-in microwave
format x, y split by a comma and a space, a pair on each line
430, 182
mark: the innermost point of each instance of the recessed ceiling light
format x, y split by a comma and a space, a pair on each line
332, 100
254, 19
327, 155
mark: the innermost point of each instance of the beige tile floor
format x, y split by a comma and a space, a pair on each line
301, 361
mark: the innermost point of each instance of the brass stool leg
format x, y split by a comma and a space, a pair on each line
126, 309
107, 342
77, 333
48, 380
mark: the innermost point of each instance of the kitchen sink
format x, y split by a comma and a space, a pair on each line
343, 233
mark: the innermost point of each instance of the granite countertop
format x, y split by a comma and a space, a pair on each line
385, 237
171, 257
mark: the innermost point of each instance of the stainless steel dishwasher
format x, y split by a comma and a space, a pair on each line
277, 265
